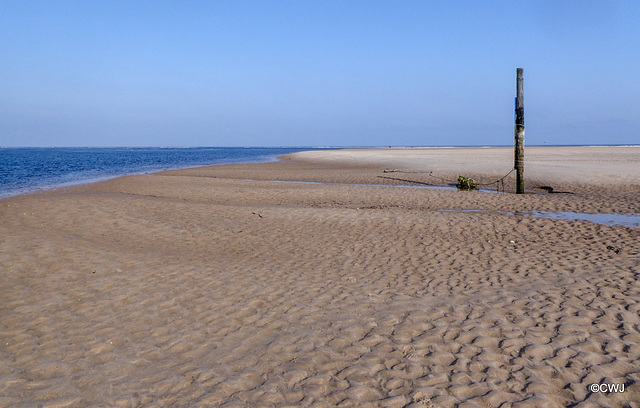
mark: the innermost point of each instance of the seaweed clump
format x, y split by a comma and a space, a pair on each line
465, 183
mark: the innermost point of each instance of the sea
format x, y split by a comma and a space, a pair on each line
28, 170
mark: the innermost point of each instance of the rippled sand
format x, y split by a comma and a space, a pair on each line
217, 287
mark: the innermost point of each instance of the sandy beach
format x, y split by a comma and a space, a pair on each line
217, 286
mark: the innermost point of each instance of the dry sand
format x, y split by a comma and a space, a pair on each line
217, 287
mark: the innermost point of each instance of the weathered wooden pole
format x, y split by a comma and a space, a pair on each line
519, 133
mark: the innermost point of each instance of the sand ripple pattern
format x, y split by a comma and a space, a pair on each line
206, 291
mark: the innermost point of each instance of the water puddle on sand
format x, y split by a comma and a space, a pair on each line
622, 220
369, 185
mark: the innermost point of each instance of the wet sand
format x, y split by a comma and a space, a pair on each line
218, 287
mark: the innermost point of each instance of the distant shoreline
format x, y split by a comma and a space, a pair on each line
491, 166
312, 147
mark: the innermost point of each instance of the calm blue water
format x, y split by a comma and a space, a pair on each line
24, 170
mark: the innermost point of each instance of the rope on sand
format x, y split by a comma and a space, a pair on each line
499, 183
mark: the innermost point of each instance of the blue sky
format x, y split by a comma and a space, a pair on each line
317, 73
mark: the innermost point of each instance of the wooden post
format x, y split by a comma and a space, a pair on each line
519, 134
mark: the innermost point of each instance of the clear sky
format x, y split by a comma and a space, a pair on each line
317, 73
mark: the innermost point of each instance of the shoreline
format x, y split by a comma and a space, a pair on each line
86, 175
215, 286
366, 160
